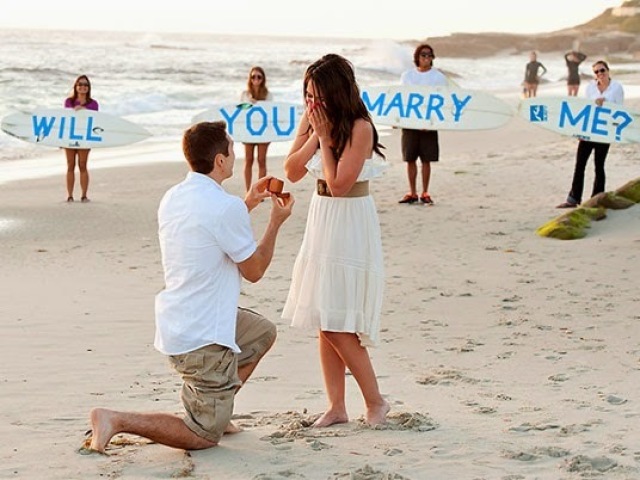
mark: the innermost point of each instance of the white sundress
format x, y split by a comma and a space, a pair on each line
337, 281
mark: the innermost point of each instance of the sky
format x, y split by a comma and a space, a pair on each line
395, 19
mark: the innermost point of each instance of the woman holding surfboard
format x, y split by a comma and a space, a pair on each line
338, 276
80, 98
256, 90
602, 89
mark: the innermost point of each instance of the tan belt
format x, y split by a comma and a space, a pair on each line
359, 189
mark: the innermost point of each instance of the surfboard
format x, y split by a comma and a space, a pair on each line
67, 128
582, 118
435, 108
259, 122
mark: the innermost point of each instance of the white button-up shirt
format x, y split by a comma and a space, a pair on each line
203, 232
614, 92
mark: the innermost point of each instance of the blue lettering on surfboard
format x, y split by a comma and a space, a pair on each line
72, 131
230, 118
262, 119
595, 119
91, 130
416, 105
375, 107
257, 119
567, 116
435, 104
292, 122
43, 125
621, 120
459, 105
61, 128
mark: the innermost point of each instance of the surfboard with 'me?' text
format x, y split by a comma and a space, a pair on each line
582, 118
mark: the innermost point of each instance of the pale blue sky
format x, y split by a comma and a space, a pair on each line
397, 19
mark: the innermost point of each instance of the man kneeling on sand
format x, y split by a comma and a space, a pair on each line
207, 247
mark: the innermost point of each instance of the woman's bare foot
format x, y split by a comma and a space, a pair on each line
331, 418
102, 426
377, 415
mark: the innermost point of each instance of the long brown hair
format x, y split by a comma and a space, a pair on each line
335, 83
261, 91
74, 94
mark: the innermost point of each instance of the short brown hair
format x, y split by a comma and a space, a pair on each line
202, 142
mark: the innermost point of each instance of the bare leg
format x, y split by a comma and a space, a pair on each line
262, 159
161, 428
346, 347
248, 164
70, 154
83, 158
412, 175
426, 176
333, 372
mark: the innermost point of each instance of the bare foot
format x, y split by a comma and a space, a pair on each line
377, 415
331, 418
102, 425
232, 428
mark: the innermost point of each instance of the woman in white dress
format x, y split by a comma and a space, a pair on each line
338, 276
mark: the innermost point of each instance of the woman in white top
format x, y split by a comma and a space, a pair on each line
602, 89
256, 90
338, 276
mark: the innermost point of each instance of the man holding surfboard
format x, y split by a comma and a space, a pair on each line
421, 144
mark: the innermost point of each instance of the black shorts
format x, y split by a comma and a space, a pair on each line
422, 144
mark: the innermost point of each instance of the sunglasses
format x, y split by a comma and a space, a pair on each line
83, 84
426, 55
256, 77
601, 70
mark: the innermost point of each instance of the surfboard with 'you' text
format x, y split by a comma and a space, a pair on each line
435, 108
260, 122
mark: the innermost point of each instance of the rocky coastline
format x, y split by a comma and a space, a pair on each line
621, 45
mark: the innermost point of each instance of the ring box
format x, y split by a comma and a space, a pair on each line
276, 185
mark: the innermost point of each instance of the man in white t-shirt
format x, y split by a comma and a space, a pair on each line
422, 144
208, 247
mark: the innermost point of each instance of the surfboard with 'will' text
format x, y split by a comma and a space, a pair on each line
67, 128
260, 122
582, 118
422, 107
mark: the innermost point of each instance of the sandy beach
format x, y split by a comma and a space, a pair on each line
504, 355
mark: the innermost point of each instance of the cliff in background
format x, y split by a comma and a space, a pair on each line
615, 32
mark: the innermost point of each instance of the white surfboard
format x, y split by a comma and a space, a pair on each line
67, 128
582, 118
260, 122
435, 108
